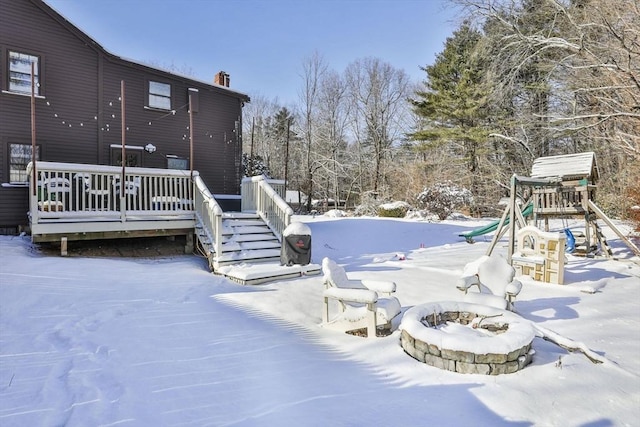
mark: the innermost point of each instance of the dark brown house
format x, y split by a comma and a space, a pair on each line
78, 109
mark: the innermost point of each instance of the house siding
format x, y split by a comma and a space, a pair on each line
78, 117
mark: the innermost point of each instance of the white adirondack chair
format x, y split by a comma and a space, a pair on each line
494, 278
359, 302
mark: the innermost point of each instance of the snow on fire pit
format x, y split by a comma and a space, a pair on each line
467, 338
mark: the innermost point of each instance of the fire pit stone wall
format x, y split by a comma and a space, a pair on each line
509, 350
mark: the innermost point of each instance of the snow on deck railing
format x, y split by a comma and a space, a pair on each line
209, 213
84, 193
259, 195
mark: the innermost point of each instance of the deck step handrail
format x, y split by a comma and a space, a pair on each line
209, 214
259, 196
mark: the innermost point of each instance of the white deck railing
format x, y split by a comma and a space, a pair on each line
70, 192
209, 213
259, 195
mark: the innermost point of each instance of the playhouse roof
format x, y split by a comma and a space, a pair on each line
567, 167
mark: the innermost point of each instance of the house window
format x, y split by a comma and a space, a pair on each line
20, 72
175, 162
159, 95
19, 158
132, 153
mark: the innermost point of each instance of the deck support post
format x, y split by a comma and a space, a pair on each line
188, 247
63, 246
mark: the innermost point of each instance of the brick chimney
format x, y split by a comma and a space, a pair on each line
222, 79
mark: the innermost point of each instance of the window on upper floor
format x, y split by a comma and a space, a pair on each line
19, 158
159, 95
20, 72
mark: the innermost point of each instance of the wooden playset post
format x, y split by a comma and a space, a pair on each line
512, 214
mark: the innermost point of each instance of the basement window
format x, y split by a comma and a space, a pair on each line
19, 158
159, 95
133, 154
175, 162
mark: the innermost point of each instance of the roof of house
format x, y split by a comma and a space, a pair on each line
566, 167
128, 62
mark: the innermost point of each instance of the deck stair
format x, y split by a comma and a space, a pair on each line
247, 238
250, 251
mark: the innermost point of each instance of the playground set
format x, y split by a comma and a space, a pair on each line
560, 187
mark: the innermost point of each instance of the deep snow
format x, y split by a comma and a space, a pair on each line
162, 342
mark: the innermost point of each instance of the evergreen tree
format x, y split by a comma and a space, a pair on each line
453, 103
254, 166
454, 116
277, 135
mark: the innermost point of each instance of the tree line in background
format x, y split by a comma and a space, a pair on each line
517, 80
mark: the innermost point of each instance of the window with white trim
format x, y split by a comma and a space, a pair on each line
175, 162
159, 95
20, 72
19, 158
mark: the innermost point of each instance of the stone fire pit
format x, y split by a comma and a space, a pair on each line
467, 338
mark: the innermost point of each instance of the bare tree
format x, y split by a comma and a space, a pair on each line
332, 133
313, 70
379, 96
257, 125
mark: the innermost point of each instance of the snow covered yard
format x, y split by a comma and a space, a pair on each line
162, 342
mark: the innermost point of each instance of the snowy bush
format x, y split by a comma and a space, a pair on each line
443, 198
254, 166
421, 215
368, 205
335, 213
394, 210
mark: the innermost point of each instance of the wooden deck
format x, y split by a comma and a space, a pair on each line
88, 202
83, 202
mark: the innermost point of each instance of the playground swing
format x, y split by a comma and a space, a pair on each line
570, 242
570, 245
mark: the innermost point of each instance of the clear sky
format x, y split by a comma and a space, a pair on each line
262, 43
